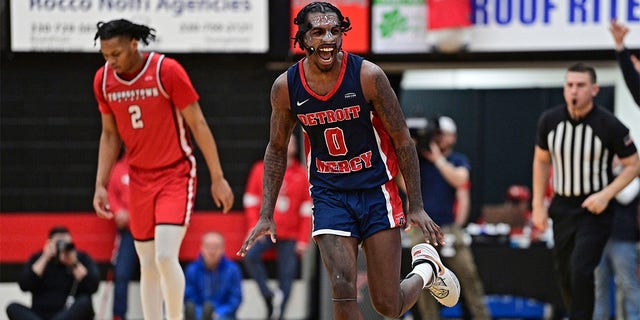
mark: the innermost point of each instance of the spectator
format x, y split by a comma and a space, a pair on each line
213, 283
444, 181
580, 139
629, 64
620, 258
125, 260
516, 212
61, 280
293, 224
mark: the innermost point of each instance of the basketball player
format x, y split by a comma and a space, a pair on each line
148, 102
356, 139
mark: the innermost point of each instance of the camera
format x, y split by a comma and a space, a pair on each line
423, 130
63, 246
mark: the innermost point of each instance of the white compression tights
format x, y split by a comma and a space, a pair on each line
161, 276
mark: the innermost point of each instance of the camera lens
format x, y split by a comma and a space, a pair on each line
64, 246
69, 246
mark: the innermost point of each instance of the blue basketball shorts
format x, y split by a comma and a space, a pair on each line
356, 213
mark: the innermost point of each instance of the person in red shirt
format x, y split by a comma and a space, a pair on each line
148, 103
293, 224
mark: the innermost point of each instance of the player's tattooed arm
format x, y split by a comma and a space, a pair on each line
275, 162
275, 158
378, 91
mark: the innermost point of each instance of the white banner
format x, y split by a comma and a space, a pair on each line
181, 25
506, 26
398, 26
548, 25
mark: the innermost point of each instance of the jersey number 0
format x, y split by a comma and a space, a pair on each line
334, 137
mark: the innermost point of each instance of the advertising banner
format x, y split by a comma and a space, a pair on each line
357, 39
539, 25
502, 25
398, 26
181, 25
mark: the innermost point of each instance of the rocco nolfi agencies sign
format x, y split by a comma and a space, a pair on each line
181, 25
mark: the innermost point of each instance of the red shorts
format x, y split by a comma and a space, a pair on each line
161, 196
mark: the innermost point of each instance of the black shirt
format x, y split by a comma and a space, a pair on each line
631, 77
582, 150
625, 221
49, 292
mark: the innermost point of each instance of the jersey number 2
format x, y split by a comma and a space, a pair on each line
136, 116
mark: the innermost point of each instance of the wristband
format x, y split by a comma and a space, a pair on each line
440, 162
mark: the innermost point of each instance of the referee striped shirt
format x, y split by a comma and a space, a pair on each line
582, 150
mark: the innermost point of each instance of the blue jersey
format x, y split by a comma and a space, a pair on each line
346, 145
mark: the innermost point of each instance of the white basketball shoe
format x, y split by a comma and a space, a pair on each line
444, 285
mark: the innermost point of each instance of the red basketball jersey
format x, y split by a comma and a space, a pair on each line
147, 110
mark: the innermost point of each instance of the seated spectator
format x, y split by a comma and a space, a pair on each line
514, 211
61, 280
213, 283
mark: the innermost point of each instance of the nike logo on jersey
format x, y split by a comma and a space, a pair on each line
299, 103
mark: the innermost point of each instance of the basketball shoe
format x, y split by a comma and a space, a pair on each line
444, 285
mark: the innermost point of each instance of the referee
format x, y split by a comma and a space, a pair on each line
579, 139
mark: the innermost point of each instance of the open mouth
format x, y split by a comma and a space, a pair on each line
326, 53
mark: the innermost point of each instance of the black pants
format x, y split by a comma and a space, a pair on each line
82, 309
579, 237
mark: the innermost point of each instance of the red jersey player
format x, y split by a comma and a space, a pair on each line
148, 103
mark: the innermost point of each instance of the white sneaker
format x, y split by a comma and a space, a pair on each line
444, 286
278, 298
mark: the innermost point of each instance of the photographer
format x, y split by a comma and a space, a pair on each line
444, 181
61, 281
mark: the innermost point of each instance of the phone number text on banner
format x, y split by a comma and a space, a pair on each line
181, 25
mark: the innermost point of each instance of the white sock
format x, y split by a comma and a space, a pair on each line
168, 240
425, 271
150, 291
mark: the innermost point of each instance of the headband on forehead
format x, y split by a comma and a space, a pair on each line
324, 19
303, 25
